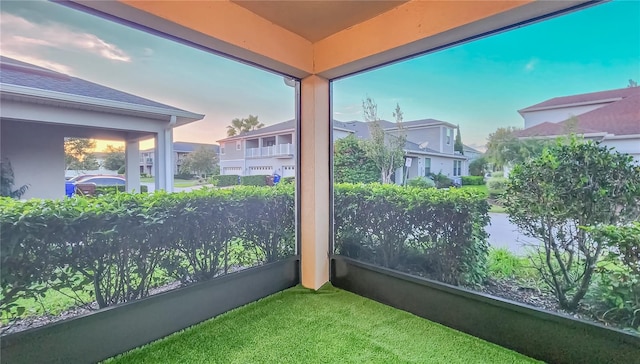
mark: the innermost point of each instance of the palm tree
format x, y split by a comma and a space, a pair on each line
239, 126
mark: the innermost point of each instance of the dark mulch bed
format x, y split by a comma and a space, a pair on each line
513, 290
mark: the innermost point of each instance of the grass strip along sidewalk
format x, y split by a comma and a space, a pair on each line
328, 326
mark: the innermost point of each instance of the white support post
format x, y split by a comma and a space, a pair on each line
132, 165
163, 161
314, 181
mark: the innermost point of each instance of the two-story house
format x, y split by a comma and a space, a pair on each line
611, 117
264, 151
429, 146
272, 149
180, 151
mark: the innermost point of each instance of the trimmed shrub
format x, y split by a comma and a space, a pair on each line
225, 180
259, 180
473, 180
106, 190
187, 176
429, 232
119, 245
288, 180
422, 182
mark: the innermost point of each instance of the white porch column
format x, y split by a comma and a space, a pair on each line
314, 181
163, 160
132, 165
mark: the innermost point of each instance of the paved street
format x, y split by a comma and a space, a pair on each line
504, 234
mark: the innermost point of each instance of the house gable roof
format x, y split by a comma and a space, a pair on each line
588, 98
32, 77
620, 117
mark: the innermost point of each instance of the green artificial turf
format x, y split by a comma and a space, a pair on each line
327, 326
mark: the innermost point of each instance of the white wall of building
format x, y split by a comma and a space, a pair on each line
629, 146
36, 153
532, 118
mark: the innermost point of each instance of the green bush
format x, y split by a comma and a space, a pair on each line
121, 170
187, 176
288, 180
496, 187
472, 180
225, 180
441, 181
260, 180
617, 290
106, 190
434, 233
120, 245
422, 182
572, 184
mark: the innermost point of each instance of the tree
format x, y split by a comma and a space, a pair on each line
385, 150
504, 147
78, 155
202, 161
458, 146
351, 163
7, 181
115, 158
239, 126
632, 83
478, 167
571, 185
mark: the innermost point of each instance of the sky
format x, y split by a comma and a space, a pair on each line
479, 85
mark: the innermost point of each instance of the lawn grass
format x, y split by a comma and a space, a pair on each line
327, 326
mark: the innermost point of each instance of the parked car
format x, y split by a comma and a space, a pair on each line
95, 180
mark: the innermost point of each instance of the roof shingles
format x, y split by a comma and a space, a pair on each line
621, 117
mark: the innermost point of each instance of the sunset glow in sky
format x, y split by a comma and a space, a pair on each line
478, 85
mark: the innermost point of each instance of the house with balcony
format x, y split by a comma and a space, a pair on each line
611, 117
180, 151
264, 151
271, 149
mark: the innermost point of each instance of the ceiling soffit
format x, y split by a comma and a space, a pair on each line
315, 20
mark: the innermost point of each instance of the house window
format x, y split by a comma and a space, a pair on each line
427, 166
449, 132
457, 168
238, 145
222, 148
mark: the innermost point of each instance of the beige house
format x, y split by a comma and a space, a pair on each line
272, 149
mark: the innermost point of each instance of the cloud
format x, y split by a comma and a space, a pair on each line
54, 66
24, 39
531, 65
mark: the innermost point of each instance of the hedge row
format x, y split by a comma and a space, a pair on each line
120, 244
473, 180
106, 190
225, 180
434, 233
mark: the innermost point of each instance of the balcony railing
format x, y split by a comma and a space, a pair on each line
279, 150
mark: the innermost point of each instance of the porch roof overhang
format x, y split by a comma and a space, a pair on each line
109, 119
330, 39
